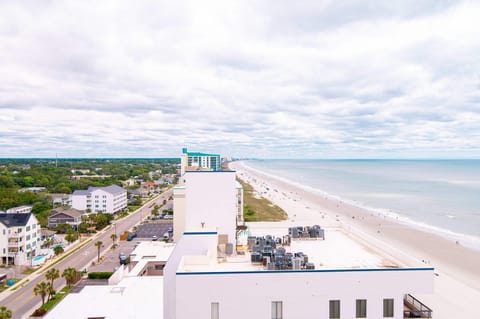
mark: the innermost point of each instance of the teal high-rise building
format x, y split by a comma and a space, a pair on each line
199, 161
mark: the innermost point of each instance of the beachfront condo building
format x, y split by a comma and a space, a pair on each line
20, 238
336, 276
109, 199
194, 161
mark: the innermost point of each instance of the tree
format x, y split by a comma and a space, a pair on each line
113, 237
47, 242
5, 313
70, 274
42, 289
51, 275
71, 236
98, 244
58, 250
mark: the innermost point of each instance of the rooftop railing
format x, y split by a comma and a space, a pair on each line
416, 309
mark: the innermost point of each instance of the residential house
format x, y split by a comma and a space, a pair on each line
70, 216
61, 199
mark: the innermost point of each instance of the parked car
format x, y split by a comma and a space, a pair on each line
131, 236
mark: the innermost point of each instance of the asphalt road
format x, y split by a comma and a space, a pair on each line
23, 302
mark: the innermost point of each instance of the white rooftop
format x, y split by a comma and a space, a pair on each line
338, 251
133, 297
152, 250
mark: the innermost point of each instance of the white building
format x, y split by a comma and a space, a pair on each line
110, 199
208, 207
20, 238
343, 277
20, 210
133, 291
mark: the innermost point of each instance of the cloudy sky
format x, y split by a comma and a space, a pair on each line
272, 79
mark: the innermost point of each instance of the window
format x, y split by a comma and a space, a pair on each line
19, 230
215, 310
28, 228
361, 308
277, 310
334, 306
388, 308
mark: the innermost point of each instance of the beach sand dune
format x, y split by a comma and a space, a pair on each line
457, 268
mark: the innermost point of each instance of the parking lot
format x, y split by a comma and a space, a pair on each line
148, 231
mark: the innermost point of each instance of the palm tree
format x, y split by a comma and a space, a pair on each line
69, 274
58, 250
113, 237
5, 313
99, 245
51, 275
42, 289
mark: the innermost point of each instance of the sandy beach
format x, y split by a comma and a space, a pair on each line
457, 267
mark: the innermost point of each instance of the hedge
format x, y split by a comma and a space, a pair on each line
100, 275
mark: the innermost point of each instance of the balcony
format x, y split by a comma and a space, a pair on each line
14, 243
414, 308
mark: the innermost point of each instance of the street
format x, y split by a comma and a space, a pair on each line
22, 302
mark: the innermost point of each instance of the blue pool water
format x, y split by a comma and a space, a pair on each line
38, 258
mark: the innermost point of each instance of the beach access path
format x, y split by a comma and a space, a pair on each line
457, 273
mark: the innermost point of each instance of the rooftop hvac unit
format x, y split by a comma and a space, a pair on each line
297, 263
309, 266
229, 249
256, 258
321, 234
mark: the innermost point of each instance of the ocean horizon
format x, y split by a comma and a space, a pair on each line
438, 195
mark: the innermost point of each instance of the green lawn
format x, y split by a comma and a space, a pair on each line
259, 209
58, 296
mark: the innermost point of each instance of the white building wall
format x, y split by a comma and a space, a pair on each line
178, 212
32, 237
210, 202
305, 295
79, 202
102, 201
189, 244
3, 240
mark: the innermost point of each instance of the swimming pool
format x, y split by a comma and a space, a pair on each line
39, 258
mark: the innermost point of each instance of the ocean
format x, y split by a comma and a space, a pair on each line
438, 195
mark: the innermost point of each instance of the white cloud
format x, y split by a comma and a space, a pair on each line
318, 78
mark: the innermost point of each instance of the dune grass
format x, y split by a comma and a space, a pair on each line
257, 208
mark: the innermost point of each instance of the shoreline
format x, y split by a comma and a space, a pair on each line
467, 240
457, 280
